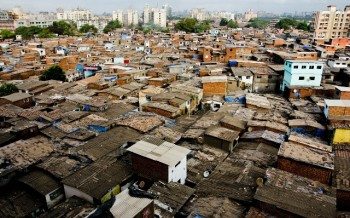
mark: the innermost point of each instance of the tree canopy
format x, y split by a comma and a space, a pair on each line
303, 26
223, 22
232, 24
53, 73
45, 33
258, 23
63, 28
88, 28
112, 25
28, 32
192, 25
7, 34
7, 89
287, 23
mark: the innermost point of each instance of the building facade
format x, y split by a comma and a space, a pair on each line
199, 14
332, 23
6, 20
302, 74
156, 16
43, 20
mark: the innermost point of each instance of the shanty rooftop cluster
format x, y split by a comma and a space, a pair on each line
229, 123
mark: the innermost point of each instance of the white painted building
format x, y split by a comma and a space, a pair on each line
118, 15
74, 15
155, 16
302, 73
199, 14
126, 17
42, 20
169, 159
332, 23
338, 63
222, 14
250, 15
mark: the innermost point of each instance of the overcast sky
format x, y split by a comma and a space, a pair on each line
99, 6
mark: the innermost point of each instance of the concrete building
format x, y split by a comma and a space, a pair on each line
130, 17
74, 15
118, 15
43, 19
166, 162
222, 14
302, 74
249, 15
332, 23
6, 20
156, 16
199, 14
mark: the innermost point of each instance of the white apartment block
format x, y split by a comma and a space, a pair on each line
332, 23
118, 15
5, 15
199, 14
127, 17
75, 15
222, 14
250, 15
40, 20
156, 16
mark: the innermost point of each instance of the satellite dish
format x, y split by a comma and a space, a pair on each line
260, 182
206, 174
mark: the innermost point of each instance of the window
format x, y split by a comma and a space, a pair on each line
311, 67
248, 77
319, 67
259, 77
270, 76
301, 78
303, 67
312, 78
296, 66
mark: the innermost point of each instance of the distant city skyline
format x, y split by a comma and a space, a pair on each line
100, 6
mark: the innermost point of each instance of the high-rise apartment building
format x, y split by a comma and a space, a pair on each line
199, 14
156, 16
74, 15
118, 15
6, 20
126, 17
249, 15
332, 23
42, 19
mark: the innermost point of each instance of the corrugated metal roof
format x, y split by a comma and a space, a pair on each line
126, 206
167, 153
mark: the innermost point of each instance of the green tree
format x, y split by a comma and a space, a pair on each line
112, 25
232, 24
28, 32
45, 33
223, 22
287, 23
7, 89
53, 73
303, 26
192, 25
63, 28
7, 34
258, 23
187, 25
88, 28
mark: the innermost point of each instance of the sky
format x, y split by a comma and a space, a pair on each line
100, 6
